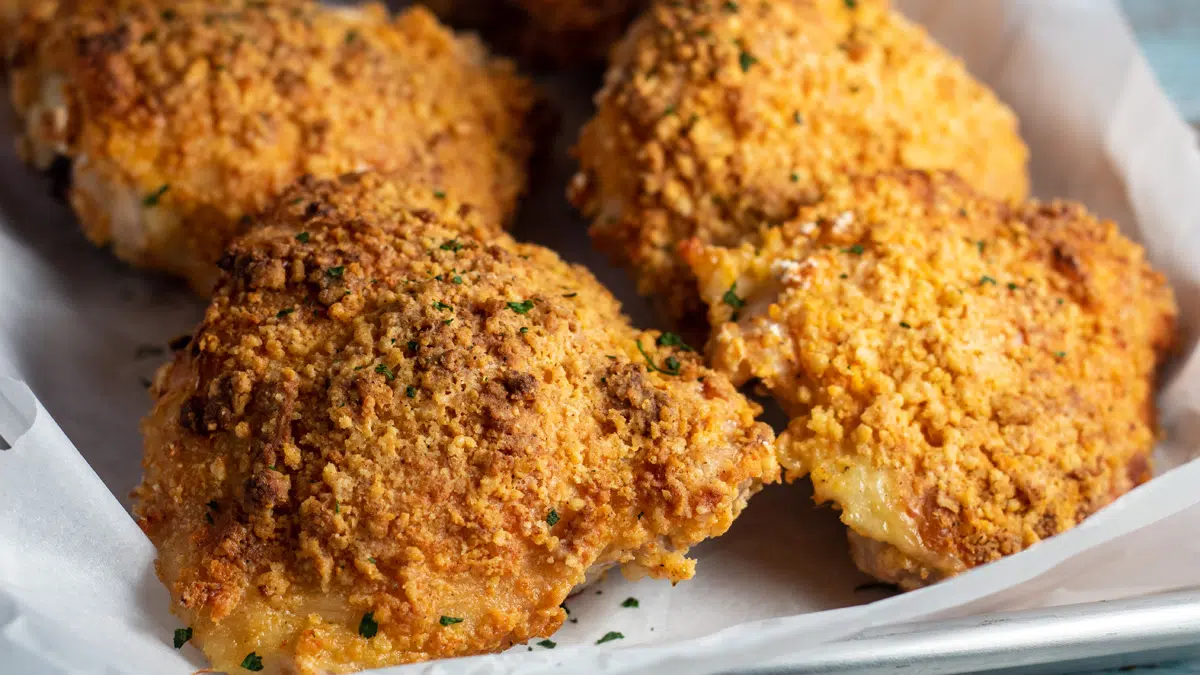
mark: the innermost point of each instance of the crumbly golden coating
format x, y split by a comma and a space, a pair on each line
561, 32
183, 116
718, 117
387, 412
965, 377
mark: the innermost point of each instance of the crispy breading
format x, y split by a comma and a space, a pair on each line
557, 32
965, 377
183, 116
392, 412
718, 117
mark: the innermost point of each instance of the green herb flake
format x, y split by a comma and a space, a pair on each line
730, 6
570, 295
151, 200
522, 307
209, 519
630, 602
1012, 286
671, 364
795, 177
452, 245
745, 60
850, 4
1060, 301
856, 249
548, 644
439, 194
449, 620
252, 662
302, 237
904, 324
668, 111
413, 346
731, 298
797, 118
981, 244
383, 370
182, 635
284, 312
337, 506
336, 272
442, 306
672, 340
457, 280
1061, 355
371, 560
367, 626
985, 279
609, 637
524, 330
410, 391
552, 518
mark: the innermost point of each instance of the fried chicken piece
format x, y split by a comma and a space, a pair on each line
965, 378
557, 32
182, 117
391, 419
719, 117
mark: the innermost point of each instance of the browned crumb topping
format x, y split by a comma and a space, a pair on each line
718, 117
965, 377
393, 410
209, 110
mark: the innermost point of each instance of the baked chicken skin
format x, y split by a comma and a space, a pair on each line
551, 32
965, 377
395, 437
181, 117
717, 117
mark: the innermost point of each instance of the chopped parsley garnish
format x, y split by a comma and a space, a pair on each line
442, 306
552, 518
630, 602
182, 635
209, 519
452, 245
745, 60
981, 244
447, 322
985, 279
570, 295
671, 364
410, 391
524, 330
856, 249
1012, 286
548, 644
1061, 355
449, 620
367, 627
672, 340
337, 506
351, 36
609, 637
670, 110
731, 298
439, 194
336, 272
850, 4
904, 324
797, 118
371, 560
151, 200
252, 662
284, 312
730, 6
383, 370
795, 177
457, 280
302, 237
412, 345
522, 307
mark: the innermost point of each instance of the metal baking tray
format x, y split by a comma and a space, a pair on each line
1067, 639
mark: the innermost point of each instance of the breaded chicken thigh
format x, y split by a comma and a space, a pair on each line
561, 32
965, 378
399, 435
718, 117
181, 117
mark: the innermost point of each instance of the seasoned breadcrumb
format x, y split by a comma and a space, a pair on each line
398, 418
965, 377
558, 32
718, 117
182, 117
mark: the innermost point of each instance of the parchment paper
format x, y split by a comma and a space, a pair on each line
77, 590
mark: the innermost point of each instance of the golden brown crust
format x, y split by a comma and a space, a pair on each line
718, 117
380, 412
965, 377
557, 32
205, 112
